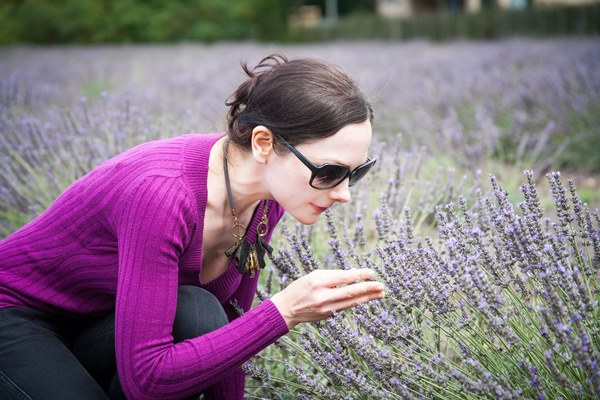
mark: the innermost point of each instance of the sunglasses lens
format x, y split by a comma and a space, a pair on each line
360, 172
328, 176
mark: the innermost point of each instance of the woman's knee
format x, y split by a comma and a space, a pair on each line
198, 312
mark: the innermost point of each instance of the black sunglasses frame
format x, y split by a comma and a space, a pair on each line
314, 169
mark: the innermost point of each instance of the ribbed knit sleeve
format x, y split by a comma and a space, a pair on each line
153, 230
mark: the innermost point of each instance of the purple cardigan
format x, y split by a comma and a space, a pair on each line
122, 238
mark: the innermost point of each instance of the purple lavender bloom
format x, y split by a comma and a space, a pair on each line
471, 289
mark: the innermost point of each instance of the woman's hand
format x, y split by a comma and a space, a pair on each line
315, 296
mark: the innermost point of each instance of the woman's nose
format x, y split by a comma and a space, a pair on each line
341, 193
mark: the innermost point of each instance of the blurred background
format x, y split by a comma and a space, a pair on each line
461, 88
126, 21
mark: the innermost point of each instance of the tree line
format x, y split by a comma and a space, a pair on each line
101, 21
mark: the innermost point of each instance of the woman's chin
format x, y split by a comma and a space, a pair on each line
307, 219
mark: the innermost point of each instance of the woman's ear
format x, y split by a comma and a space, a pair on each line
262, 144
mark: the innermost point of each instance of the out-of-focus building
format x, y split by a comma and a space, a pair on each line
394, 8
405, 8
305, 17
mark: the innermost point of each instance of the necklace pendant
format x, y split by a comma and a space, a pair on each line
232, 248
248, 257
252, 264
241, 255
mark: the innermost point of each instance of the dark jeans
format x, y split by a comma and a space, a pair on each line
48, 356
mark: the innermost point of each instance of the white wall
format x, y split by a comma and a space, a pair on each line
473, 5
394, 8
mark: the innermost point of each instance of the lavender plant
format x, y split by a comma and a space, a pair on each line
64, 110
486, 297
502, 302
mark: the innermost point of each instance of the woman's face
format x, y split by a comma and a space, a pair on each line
288, 178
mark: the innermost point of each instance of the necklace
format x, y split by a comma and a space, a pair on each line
249, 256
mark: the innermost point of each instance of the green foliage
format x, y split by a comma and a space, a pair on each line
8, 26
583, 140
51, 22
96, 21
129, 21
575, 145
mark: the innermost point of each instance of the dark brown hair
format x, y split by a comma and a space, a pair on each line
301, 100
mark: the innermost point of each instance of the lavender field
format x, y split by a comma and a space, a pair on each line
491, 272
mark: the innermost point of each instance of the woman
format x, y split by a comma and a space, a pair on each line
124, 286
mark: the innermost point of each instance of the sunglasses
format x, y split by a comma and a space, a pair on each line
327, 176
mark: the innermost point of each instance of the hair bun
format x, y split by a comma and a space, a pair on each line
302, 100
242, 96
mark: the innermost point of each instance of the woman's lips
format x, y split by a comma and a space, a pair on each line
317, 208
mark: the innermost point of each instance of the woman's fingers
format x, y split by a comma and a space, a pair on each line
337, 277
349, 296
355, 301
356, 290
342, 289
314, 296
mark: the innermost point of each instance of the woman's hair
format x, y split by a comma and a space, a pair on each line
301, 100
